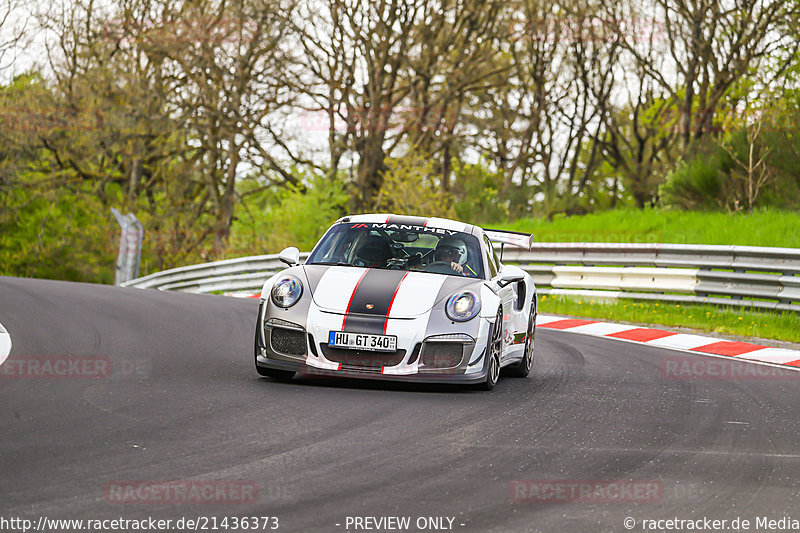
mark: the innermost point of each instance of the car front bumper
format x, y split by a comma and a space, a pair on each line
443, 356
301, 367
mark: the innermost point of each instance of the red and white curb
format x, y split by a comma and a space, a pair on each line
246, 294
5, 344
684, 342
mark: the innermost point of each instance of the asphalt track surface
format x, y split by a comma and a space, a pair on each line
184, 403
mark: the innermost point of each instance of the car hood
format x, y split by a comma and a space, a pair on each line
372, 291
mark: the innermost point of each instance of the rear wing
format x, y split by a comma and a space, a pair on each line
513, 238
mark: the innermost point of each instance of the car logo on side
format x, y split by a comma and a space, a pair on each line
370, 306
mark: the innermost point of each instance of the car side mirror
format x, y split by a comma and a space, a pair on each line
290, 256
508, 279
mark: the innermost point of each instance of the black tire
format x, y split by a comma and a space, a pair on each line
277, 375
493, 353
523, 368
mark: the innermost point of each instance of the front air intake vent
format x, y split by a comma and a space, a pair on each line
288, 341
442, 354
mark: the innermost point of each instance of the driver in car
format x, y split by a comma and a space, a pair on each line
451, 250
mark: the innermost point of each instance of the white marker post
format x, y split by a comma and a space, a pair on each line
130, 247
5, 344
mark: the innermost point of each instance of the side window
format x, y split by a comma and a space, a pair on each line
350, 242
491, 257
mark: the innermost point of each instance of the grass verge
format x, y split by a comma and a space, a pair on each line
764, 227
777, 325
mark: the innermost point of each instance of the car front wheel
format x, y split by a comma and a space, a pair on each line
493, 353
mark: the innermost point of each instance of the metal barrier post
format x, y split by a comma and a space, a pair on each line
130, 247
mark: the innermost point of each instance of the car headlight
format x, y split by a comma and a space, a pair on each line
286, 291
462, 306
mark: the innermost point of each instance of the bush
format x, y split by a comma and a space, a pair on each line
753, 165
411, 186
480, 194
698, 183
56, 233
275, 218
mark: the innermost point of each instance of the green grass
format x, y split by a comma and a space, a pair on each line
725, 320
766, 227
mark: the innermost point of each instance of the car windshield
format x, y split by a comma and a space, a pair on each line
400, 247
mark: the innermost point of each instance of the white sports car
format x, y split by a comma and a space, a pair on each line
400, 298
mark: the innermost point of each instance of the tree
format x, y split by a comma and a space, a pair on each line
541, 125
177, 96
118, 131
706, 47
12, 32
229, 59
752, 170
393, 75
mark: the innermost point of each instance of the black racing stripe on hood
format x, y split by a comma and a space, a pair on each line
364, 324
409, 221
376, 289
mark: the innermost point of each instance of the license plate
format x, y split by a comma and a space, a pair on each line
362, 341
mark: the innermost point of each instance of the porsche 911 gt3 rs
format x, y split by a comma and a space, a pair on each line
400, 298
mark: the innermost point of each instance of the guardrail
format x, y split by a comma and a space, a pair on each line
747, 276
231, 275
